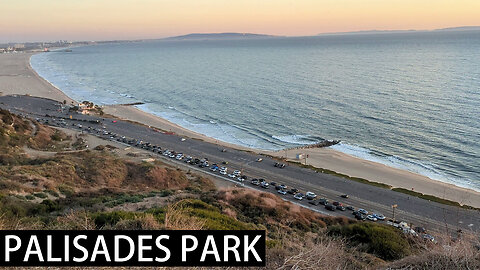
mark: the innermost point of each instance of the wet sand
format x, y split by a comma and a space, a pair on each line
17, 77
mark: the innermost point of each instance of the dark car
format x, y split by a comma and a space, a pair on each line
314, 202
344, 196
351, 208
341, 208
330, 207
273, 184
337, 203
323, 201
293, 191
360, 217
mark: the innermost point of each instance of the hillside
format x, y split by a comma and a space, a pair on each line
76, 188
216, 36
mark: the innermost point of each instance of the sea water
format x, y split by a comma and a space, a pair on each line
407, 100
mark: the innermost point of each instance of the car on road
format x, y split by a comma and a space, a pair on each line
314, 202
363, 211
292, 191
371, 218
264, 184
379, 216
231, 175
341, 208
344, 196
282, 191
255, 182
279, 165
298, 196
242, 178
330, 207
259, 159
310, 195
351, 208
359, 216
323, 201
273, 184
337, 203
282, 186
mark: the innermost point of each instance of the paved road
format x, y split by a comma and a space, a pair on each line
410, 209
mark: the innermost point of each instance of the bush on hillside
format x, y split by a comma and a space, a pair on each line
386, 242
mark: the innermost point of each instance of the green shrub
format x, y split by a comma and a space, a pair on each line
29, 197
386, 242
66, 190
40, 195
51, 192
111, 218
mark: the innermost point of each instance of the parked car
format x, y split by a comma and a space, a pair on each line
264, 184
242, 178
344, 196
351, 208
282, 191
323, 201
314, 202
255, 182
293, 191
330, 207
310, 195
341, 208
363, 211
259, 159
371, 218
379, 216
337, 203
298, 196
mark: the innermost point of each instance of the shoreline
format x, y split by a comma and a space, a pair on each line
23, 77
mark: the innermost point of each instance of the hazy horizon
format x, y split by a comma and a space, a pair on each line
50, 20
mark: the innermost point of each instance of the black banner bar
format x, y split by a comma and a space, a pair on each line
132, 248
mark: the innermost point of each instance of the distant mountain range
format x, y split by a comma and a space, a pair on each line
461, 28
204, 36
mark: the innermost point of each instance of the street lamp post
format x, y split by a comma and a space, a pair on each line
393, 211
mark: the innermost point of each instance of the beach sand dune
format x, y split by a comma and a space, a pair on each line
17, 77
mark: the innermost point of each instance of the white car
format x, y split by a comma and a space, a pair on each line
379, 216
224, 172
236, 172
264, 185
310, 195
371, 218
282, 191
298, 196
232, 175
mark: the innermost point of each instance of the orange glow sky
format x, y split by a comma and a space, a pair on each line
39, 20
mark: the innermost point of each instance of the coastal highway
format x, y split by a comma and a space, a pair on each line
419, 212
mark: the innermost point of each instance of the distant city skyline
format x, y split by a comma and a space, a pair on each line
49, 20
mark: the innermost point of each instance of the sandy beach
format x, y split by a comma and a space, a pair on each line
17, 77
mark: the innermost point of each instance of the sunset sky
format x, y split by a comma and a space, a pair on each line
47, 20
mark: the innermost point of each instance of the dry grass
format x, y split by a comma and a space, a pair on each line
462, 253
177, 218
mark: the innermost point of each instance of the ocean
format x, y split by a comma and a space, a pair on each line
407, 100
